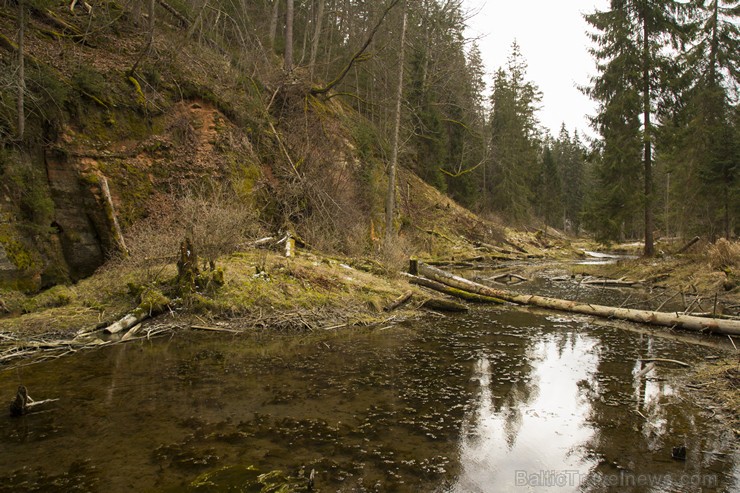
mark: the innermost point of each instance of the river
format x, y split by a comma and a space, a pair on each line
496, 400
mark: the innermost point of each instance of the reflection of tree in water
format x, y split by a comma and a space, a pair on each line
527, 413
638, 419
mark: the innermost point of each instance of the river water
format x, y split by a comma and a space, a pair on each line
496, 400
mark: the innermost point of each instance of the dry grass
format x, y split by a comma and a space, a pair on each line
262, 289
724, 255
720, 383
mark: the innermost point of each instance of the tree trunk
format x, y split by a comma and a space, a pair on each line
110, 211
273, 23
390, 232
21, 69
316, 36
649, 221
149, 41
289, 36
686, 322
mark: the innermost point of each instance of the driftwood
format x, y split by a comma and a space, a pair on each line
458, 293
401, 300
23, 404
263, 242
611, 283
133, 318
510, 279
648, 368
663, 360
213, 329
686, 322
131, 333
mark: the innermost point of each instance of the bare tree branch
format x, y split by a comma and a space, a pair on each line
358, 55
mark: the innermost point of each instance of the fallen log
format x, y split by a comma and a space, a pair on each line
214, 329
132, 332
458, 293
509, 279
443, 305
133, 318
611, 283
648, 368
688, 245
401, 300
686, 322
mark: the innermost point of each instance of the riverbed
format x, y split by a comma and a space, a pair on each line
496, 400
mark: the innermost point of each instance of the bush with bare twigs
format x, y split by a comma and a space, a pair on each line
215, 221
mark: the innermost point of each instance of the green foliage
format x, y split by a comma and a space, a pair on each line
702, 142
512, 170
549, 195
49, 97
635, 45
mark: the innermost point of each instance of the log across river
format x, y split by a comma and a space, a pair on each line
674, 320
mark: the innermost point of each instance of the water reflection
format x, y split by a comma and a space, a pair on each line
507, 439
458, 404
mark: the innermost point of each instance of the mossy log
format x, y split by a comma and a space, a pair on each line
457, 293
680, 321
401, 300
441, 305
152, 303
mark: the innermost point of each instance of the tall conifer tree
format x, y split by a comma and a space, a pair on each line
706, 152
514, 139
631, 39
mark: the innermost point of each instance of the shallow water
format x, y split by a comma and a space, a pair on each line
493, 401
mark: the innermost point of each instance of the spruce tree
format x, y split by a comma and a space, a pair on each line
707, 144
631, 39
513, 167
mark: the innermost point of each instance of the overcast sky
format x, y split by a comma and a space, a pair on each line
552, 37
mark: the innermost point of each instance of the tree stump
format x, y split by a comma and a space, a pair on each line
187, 267
19, 406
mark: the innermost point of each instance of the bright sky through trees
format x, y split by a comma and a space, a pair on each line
552, 37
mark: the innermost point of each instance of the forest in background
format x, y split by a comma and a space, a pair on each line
664, 162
